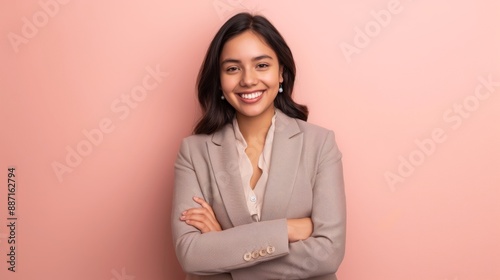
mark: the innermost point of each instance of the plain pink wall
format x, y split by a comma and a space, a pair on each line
404, 84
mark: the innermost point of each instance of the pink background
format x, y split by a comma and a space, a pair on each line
407, 76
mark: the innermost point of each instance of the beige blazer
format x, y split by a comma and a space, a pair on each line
305, 180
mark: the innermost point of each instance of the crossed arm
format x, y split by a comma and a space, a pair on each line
306, 247
203, 218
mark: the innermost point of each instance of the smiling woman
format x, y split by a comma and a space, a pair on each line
259, 192
253, 78
216, 113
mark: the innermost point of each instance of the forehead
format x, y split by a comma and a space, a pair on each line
246, 46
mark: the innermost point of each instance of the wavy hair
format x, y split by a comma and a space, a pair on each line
217, 113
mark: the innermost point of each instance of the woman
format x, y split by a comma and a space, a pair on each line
259, 192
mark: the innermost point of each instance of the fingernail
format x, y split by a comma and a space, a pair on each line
184, 213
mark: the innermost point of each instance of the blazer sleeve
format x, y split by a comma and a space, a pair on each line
224, 251
322, 253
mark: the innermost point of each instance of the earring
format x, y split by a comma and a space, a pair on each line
281, 89
222, 97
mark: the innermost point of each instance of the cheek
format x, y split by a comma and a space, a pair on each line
228, 83
271, 78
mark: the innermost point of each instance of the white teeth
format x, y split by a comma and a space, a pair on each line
252, 95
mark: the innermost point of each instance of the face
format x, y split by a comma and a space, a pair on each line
250, 75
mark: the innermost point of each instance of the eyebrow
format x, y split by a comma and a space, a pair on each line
232, 60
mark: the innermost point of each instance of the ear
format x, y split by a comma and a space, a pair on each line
281, 73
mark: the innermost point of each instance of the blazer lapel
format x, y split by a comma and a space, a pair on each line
285, 157
224, 159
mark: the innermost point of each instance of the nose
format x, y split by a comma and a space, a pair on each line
248, 78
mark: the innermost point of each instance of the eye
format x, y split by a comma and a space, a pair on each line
231, 69
262, 66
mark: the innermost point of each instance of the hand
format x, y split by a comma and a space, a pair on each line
299, 229
202, 218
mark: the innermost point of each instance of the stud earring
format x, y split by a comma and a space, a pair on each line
281, 89
222, 97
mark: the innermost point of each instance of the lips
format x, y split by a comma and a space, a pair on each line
252, 95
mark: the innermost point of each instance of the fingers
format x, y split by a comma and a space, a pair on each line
204, 204
203, 227
199, 214
205, 209
200, 219
203, 218
299, 229
200, 222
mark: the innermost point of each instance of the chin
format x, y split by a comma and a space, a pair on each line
253, 112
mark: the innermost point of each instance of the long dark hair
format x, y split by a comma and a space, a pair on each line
216, 112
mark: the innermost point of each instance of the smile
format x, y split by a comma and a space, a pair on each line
250, 96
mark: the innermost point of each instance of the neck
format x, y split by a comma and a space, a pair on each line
255, 127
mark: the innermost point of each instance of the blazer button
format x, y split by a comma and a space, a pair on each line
248, 256
255, 254
262, 252
270, 249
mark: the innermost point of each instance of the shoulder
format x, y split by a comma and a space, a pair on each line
194, 142
312, 132
199, 141
320, 139
315, 137
196, 138
192, 149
